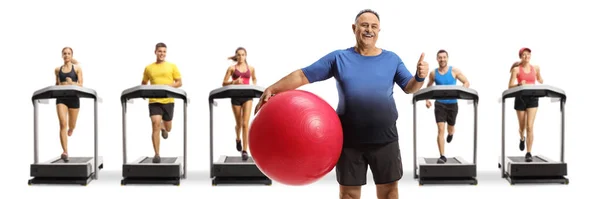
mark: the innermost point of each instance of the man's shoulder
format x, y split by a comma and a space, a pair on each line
150, 65
341, 51
390, 54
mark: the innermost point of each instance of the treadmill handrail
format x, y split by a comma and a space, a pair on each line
246, 91
53, 92
65, 91
541, 90
168, 92
446, 92
154, 91
243, 91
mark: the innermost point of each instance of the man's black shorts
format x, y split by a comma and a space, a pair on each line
384, 160
165, 110
446, 113
522, 103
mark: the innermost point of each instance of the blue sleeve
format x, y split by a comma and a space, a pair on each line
322, 69
402, 76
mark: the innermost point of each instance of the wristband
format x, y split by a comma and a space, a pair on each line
418, 79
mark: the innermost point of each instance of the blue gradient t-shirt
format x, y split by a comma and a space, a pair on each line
365, 85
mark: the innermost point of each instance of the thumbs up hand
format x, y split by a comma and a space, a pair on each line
422, 67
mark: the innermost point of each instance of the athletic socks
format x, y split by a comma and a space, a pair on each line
238, 145
522, 144
449, 138
442, 160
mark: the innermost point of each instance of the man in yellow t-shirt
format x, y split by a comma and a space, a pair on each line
161, 72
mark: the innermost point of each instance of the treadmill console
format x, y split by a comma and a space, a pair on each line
233, 91
535, 91
153, 91
53, 92
446, 92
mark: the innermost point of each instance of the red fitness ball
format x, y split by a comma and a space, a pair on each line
296, 138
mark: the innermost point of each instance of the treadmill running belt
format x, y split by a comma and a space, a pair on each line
448, 161
162, 160
74, 160
238, 159
522, 159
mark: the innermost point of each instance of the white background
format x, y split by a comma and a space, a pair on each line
114, 41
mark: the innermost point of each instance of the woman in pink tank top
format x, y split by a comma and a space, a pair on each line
523, 73
240, 73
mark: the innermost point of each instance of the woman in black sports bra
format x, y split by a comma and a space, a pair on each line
67, 108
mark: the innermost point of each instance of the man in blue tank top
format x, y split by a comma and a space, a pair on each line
445, 110
365, 76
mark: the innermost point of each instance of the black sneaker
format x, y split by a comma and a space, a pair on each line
442, 160
165, 134
449, 138
156, 159
163, 131
522, 144
238, 145
528, 157
244, 155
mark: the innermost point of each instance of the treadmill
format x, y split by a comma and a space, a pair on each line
142, 171
542, 169
232, 169
456, 170
77, 170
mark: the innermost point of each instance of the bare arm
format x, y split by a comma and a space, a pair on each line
56, 76
430, 82
539, 76
177, 83
431, 79
253, 75
413, 86
289, 82
513, 78
176, 78
461, 77
145, 77
226, 78
79, 76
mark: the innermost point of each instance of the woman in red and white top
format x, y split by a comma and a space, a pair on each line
240, 73
523, 73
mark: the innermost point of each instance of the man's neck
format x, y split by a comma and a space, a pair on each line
367, 51
443, 69
159, 61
